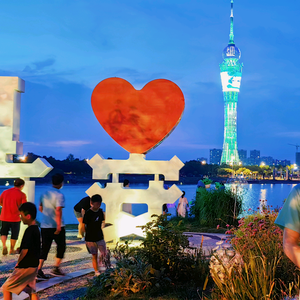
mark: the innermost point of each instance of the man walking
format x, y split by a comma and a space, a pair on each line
11, 200
52, 226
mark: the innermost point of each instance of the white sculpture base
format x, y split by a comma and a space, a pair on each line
114, 195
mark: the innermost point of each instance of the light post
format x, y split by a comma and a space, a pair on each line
294, 170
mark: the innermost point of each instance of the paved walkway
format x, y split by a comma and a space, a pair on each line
77, 261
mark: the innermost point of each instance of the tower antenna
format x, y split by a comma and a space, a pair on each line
231, 35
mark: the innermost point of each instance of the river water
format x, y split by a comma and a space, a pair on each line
252, 193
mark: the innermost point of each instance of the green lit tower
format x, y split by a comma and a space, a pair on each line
231, 75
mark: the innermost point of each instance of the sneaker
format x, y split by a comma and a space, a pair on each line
57, 272
41, 276
4, 251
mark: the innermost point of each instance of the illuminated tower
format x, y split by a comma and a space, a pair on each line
231, 75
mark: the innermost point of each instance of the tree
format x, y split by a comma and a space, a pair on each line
70, 157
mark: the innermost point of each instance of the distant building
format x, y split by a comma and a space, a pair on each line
254, 158
267, 160
298, 159
243, 156
283, 162
215, 156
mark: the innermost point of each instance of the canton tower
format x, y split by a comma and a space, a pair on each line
231, 75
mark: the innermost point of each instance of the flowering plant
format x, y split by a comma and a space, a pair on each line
257, 235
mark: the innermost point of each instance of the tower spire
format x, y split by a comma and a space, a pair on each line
231, 35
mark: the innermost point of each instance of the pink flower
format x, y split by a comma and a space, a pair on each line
218, 226
227, 225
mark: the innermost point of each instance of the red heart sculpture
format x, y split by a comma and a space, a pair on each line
138, 120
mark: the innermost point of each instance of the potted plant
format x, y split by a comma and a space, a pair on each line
207, 182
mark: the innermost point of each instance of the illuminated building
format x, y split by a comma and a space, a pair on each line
254, 158
215, 156
231, 75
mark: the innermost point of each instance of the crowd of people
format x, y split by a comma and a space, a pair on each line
36, 242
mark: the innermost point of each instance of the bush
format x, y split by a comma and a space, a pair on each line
167, 249
214, 207
163, 260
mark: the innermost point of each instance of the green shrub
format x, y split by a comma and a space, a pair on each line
217, 206
206, 181
167, 249
129, 277
164, 260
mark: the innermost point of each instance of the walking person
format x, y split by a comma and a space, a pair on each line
94, 221
79, 210
11, 200
182, 205
51, 205
23, 276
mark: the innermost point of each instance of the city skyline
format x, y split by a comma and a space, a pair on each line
62, 50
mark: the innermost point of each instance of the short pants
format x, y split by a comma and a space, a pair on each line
14, 227
21, 279
47, 237
77, 214
94, 246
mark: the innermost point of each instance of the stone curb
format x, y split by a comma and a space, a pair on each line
53, 281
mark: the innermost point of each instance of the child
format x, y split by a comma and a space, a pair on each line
23, 276
94, 221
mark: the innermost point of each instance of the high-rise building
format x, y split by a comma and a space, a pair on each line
267, 160
298, 159
215, 156
254, 158
282, 162
242, 156
231, 75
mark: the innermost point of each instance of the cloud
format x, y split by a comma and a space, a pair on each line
75, 143
39, 65
72, 143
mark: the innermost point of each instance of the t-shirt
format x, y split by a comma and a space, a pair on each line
93, 221
84, 203
50, 200
11, 200
289, 215
32, 241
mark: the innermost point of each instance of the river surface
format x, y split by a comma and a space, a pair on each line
252, 193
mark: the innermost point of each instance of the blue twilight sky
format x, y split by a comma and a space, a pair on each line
63, 48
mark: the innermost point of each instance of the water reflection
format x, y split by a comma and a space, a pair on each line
272, 195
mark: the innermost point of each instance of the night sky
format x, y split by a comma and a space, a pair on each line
62, 49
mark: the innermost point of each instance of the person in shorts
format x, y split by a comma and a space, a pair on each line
24, 274
51, 205
79, 210
10, 200
94, 221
